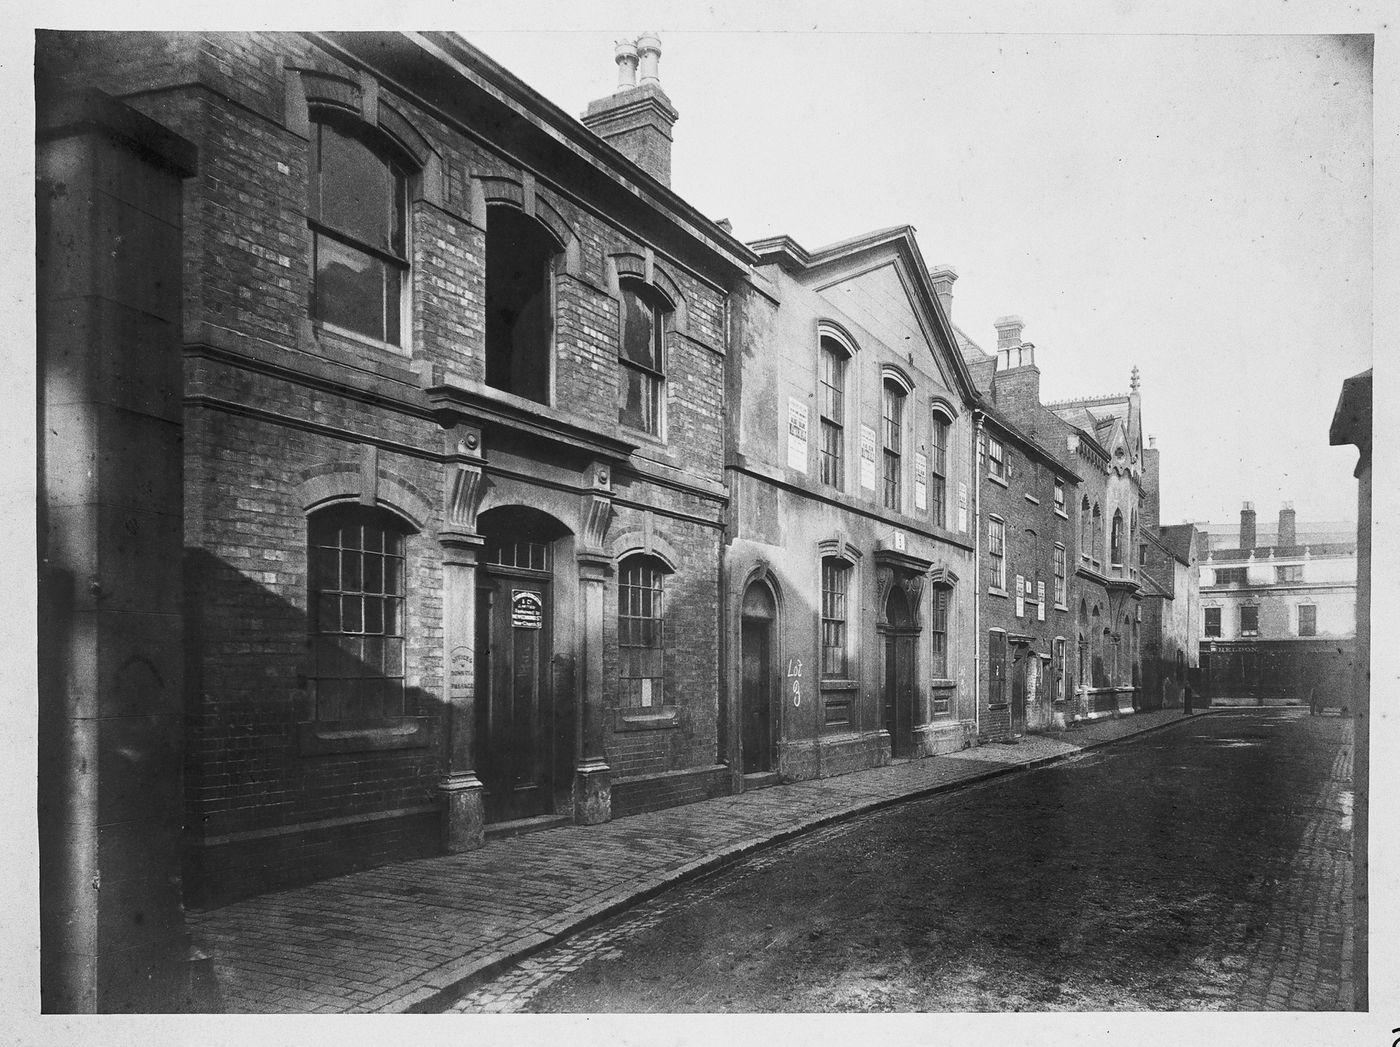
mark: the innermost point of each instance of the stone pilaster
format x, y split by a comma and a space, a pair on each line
593, 777
463, 813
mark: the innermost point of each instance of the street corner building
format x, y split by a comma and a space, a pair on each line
418, 467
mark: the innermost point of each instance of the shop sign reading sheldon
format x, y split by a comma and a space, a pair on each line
526, 609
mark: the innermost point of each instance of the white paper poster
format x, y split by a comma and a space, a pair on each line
921, 480
797, 434
1020, 596
867, 457
1040, 601
962, 505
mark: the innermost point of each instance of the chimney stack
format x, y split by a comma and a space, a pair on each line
1247, 536
1287, 525
1009, 331
637, 118
942, 277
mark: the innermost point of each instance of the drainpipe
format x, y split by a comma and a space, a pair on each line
976, 575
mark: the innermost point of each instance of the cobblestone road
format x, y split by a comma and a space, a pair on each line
1236, 896
400, 937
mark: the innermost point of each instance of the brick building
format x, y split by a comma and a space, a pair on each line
452, 446
849, 571
1278, 619
1171, 610
1024, 489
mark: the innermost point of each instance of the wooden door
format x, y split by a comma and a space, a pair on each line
899, 691
515, 722
757, 695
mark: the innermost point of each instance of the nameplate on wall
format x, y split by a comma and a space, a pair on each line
797, 435
867, 457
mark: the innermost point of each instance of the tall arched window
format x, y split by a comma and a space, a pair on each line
836, 586
646, 324
1096, 550
520, 260
938, 468
893, 423
1086, 528
359, 233
356, 560
938, 629
641, 632
832, 411
1116, 539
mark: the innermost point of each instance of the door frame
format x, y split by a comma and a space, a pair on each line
771, 625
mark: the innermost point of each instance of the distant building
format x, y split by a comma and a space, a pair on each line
1171, 610
1277, 619
1105, 435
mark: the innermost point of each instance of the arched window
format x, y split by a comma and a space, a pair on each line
1096, 550
836, 585
893, 425
939, 596
1086, 528
938, 468
832, 410
641, 632
359, 233
356, 561
1116, 539
646, 325
520, 260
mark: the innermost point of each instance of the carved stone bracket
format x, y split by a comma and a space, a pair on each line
595, 514
884, 578
464, 486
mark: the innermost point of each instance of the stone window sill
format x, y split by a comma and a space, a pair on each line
994, 591
652, 718
1032, 499
318, 738
997, 479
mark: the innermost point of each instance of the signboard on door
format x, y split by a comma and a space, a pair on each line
526, 609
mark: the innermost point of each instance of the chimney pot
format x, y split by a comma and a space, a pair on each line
649, 52
626, 56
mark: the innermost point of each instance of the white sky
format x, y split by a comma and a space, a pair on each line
1198, 206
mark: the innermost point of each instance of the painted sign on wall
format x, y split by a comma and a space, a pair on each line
797, 434
867, 457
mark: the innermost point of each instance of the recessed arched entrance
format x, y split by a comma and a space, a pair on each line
900, 632
758, 618
520, 739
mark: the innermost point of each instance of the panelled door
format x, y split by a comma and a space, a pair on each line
1021, 682
757, 694
515, 712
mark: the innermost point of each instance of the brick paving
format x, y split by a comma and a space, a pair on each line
413, 935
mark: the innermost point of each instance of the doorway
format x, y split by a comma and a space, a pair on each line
899, 673
757, 686
1022, 684
516, 730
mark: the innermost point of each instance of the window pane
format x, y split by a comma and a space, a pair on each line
360, 194
356, 291
638, 340
641, 400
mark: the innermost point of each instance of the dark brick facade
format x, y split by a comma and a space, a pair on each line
284, 416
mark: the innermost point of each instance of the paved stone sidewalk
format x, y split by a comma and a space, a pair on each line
407, 936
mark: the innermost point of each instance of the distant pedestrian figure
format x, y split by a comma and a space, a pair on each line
1314, 703
1186, 697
